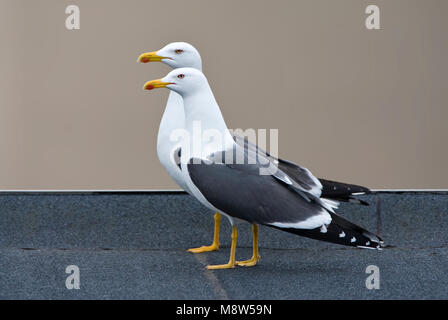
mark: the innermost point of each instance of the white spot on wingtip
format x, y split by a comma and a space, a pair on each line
353, 239
342, 234
323, 229
368, 243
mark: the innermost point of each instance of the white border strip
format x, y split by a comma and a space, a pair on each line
409, 190
92, 190
179, 190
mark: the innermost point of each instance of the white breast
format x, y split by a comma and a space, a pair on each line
167, 147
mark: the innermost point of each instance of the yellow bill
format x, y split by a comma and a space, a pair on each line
150, 57
154, 84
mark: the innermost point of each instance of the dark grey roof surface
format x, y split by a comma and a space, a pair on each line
133, 246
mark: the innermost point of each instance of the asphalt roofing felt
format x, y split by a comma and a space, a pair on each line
133, 246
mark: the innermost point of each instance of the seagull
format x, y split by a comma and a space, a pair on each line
182, 55
243, 190
177, 55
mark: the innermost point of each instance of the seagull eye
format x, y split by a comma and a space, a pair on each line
181, 76
178, 51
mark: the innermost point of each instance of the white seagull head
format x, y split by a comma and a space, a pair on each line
184, 81
176, 55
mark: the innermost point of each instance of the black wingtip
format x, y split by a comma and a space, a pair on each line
343, 232
341, 189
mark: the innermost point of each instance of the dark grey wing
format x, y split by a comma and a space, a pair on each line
241, 192
300, 176
328, 189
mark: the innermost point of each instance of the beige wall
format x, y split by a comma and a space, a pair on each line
361, 106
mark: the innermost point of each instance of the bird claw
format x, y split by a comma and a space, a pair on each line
221, 266
248, 263
213, 247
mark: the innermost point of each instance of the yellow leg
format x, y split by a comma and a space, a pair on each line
231, 263
255, 256
215, 245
